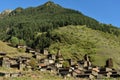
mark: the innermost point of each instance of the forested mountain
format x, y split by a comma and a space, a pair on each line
34, 24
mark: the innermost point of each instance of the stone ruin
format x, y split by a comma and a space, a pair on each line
109, 63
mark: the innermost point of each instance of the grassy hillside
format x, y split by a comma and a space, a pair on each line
75, 41
5, 48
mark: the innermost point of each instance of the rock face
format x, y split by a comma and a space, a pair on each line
6, 12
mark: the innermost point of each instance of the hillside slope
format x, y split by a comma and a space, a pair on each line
76, 41
11, 51
26, 23
5, 48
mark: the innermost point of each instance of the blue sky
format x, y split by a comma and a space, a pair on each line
105, 11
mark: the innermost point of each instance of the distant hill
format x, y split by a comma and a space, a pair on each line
76, 41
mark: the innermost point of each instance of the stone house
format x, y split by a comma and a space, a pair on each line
71, 62
14, 64
46, 61
15, 74
115, 75
59, 57
51, 61
45, 51
21, 66
86, 57
51, 56
87, 64
36, 56
29, 50
28, 68
76, 72
95, 71
42, 67
64, 72
5, 62
51, 68
58, 65
21, 46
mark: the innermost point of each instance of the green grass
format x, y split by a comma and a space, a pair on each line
11, 51
5, 48
76, 41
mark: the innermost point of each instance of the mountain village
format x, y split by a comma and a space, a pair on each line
56, 64
46, 27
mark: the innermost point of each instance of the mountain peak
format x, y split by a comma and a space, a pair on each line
50, 3
6, 12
